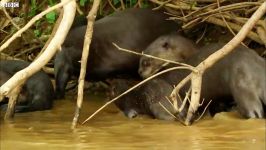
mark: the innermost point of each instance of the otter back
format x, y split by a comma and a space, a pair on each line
132, 29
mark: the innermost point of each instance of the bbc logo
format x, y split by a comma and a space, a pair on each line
9, 4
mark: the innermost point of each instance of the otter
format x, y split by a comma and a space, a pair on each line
132, 29
146, 99
22, 97
240, 76
172, 47
37, 92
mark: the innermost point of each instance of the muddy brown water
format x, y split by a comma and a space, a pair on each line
50, 130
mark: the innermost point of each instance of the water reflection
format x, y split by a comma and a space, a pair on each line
111, 130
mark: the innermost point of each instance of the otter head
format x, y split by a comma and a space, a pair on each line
171, 47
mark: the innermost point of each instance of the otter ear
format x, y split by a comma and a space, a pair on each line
165, 45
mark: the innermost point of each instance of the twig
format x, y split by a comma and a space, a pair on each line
10, 19
262, 34
4, 56
132, 88
203, 111
202, 35
251, 34
85, 53
10, 112
184, 18
122, 5
28, 50
79, 10
168, 111
154, 57
229, 7
227, 25
220, 12
178, 119
140, 3
178, 87
252, 10
185, 100
170, 102
184, 6
161, 5
111, 4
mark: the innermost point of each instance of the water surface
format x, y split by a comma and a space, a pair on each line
111, 130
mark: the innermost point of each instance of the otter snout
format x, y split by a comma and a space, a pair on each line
144, 72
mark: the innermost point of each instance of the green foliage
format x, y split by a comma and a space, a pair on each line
145, 4
83, 2
44, 25
37, 33
33, 8
51, 17
116, 2
51, 2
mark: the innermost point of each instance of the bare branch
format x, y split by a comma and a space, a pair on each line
85, 53
154, 57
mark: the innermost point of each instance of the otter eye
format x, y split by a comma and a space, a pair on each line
146, 63
165, 45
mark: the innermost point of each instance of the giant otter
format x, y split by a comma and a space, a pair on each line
145, 99
239, 75
133, 29
37, 93
170, 46
22, 97
80, 20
